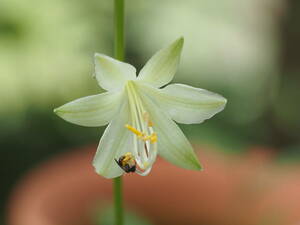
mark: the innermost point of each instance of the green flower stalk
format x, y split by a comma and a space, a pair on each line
141, 115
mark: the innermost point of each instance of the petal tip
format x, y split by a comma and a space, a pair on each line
56, 111
179, 42
198, 166
97, 54
59, 111
223, 102
98, 57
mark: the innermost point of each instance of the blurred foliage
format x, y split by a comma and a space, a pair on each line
46, 50
247, 51
230, 47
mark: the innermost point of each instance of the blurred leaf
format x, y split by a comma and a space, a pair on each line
289, 155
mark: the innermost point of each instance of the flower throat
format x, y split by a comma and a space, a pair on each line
144, 138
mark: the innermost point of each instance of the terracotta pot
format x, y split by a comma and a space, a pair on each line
235, 190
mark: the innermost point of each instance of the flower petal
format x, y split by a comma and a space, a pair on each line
91, 111
160, 69
187, 104
114, 143
112, 74
171, 142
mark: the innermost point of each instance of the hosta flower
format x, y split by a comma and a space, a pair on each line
140, 114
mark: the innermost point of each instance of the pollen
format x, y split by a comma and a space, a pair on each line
128, 158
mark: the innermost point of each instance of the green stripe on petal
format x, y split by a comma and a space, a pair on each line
115, 142
187, 104
112, 74
160, 69
91, 111
171, 142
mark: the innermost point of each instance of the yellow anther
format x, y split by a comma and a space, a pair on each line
135, 131
141, 135
153, 138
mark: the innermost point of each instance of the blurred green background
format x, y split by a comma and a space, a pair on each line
248, 51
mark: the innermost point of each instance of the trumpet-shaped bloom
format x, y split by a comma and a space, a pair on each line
140, 114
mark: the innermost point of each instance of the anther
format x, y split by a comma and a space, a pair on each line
133, 130
152, 138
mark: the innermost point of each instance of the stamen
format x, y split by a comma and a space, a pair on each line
135, 131
144, 137
152, 137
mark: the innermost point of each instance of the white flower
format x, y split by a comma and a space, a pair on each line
140, 114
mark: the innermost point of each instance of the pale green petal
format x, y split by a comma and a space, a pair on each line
171, 142
115, 142
187, 104
112, 74
160, 69
91, 111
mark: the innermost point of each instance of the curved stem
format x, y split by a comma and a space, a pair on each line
118, 54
